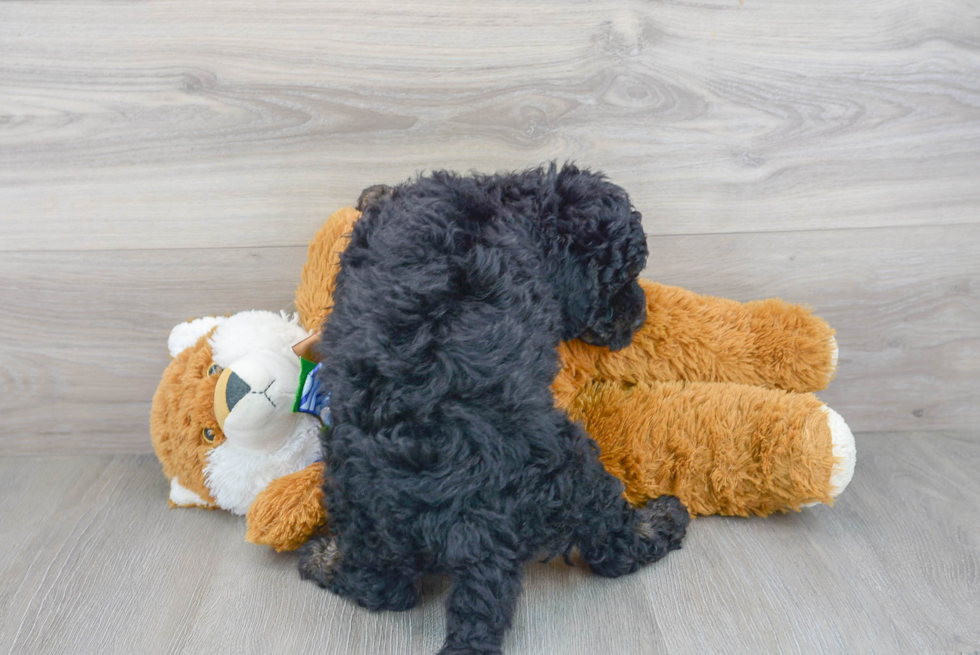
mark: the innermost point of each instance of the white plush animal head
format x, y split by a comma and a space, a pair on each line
222, 422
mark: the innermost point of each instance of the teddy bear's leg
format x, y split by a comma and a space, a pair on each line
353, 576
720, 448
693, 338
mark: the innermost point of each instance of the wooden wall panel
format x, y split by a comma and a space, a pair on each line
192, 124
168, 158
85, 333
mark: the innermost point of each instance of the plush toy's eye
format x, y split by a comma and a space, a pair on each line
214, 370
208, 435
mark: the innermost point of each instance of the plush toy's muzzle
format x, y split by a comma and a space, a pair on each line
253, 400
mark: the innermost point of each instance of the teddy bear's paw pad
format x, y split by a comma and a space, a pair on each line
845, 452
662, 523
318, 560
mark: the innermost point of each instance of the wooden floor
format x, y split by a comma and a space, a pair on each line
93, 561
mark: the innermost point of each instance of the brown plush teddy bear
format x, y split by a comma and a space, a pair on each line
712, 402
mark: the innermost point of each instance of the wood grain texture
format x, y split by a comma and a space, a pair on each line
92, 560
184, 124
166, 159
905, 303
85, 333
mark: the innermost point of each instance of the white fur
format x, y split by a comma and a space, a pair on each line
247, 332
187, 334
184, 497
235, 476
258, 347
845, 454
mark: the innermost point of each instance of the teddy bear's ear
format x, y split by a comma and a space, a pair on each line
187, 334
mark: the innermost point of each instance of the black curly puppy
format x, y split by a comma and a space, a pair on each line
447, 452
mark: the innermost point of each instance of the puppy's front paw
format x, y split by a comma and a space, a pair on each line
319, 559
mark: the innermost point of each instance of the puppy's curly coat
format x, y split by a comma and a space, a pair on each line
447, 452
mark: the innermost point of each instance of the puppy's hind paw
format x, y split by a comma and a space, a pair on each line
661, 524
318, 560
372, 196
468, 650
652, 531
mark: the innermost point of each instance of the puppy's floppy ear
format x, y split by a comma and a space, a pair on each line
587, 224
578, 290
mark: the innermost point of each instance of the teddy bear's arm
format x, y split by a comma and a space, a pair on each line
695, 338
288, 511
721, 448
314, 297
686, 336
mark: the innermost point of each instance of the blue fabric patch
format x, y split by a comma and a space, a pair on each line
315, 399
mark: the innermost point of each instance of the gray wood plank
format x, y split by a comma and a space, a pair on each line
85, 335
85, 332
187, 125
905, 303
91, 560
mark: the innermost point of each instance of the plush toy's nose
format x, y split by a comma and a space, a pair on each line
230, 389
236, 389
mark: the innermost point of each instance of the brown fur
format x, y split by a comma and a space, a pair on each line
314, 297
183, 406
289, 510
680, 438
689, 337
697, 406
